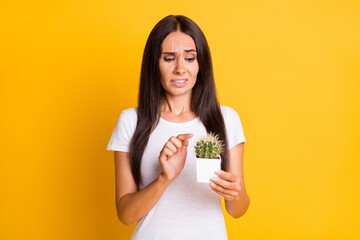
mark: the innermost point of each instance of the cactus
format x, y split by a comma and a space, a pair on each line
209, 147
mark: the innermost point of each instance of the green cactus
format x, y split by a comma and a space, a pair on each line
209, 147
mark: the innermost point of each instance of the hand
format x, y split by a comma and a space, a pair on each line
173, 155
226, 185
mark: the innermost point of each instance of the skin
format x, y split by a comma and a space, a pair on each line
177, 61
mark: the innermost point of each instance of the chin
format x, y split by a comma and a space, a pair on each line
179, 92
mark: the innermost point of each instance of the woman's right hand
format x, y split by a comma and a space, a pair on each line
132, 204
173, 155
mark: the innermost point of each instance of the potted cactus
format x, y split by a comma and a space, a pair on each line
208, 160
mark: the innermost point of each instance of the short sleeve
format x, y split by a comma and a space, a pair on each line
123, 132
234, 129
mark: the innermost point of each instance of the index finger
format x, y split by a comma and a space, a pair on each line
185, 136
228, 176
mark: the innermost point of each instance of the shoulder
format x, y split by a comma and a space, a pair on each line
234, 129
128, 118
130, 114
228, 112
123, 131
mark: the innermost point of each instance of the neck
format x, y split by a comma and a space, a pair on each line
176, 105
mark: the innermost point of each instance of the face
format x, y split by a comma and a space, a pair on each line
178, 64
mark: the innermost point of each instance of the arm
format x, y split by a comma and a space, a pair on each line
132, 204
230, 184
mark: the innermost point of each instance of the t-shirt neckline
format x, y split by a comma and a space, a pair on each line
179, 123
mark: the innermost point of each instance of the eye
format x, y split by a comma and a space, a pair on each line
190, 59
168, 59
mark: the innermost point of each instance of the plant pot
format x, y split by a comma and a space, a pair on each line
205, 168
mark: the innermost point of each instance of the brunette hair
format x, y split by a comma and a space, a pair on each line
204, 101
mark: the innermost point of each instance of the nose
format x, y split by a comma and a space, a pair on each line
180, 67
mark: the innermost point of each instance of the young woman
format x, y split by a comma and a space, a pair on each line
154, 143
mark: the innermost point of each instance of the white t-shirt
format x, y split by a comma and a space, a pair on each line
187, 209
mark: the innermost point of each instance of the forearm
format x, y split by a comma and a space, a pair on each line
237, 208
134, 206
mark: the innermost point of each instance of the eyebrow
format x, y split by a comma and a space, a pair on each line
186, 50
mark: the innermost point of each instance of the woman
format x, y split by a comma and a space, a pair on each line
154, 143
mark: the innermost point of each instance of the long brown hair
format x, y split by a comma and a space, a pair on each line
204, 101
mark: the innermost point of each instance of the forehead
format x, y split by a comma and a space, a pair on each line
178, 41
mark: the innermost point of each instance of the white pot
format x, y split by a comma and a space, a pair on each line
205, 168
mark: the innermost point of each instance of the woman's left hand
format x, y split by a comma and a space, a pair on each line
226, 185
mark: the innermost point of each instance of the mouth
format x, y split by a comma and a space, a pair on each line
179, 82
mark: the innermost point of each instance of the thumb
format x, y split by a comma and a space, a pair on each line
184, 147
185, 143
185, 138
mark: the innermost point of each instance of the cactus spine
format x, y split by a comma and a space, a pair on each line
209, 147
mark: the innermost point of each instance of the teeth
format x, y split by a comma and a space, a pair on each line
179, 81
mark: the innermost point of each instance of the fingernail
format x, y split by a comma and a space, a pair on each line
212, 184
218, 172
214, 179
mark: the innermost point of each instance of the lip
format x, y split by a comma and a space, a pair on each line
178, 79
179, 84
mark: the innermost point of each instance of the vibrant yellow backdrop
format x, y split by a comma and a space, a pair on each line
291, 69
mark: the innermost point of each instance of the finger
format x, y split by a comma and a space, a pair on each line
186, 142
228, 176
166, 152
185, 136
226, 184
224, 190
226, 196
171, 146
177, 143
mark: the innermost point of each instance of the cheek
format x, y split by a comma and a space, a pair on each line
194, 70
165, 70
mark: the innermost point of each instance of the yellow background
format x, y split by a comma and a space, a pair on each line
291, 69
